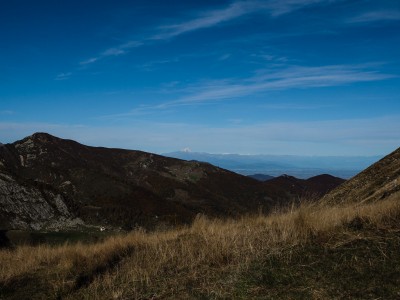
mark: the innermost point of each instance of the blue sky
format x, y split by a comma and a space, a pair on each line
306, 77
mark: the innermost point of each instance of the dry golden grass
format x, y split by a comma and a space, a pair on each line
206, 258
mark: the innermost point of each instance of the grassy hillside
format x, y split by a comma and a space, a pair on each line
47, 182
316, 251
377, 182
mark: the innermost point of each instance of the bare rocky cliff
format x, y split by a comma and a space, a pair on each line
25, 206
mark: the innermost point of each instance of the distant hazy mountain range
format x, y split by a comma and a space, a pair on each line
276, 165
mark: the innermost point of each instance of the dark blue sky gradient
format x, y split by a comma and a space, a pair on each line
308, 77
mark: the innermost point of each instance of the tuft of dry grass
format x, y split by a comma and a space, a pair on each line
206, 259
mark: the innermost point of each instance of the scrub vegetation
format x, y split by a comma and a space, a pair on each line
317, 250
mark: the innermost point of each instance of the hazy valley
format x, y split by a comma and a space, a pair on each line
302, 167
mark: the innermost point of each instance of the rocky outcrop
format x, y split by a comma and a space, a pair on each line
27, 202
28, 207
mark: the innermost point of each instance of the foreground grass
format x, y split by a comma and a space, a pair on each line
314, 251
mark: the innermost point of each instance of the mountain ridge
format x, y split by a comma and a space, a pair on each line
118, 187
289, 187
49, 182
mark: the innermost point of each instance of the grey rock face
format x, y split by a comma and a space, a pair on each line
30, 208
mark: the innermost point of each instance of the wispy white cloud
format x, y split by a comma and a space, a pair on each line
151, 65
63, 76
225, 56
293, 77
115, 51
233, 11
89, 61
270, 57
295, 106
283, 79
277, 7
376, 16
207, 19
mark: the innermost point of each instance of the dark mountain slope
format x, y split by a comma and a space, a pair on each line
322, 184
379, 181
113, 186
290, 188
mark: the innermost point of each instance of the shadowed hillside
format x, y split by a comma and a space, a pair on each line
52, 183
44, 178
319, 250
287, 188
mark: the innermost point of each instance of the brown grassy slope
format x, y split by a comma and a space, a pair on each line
379, 181
216, 259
